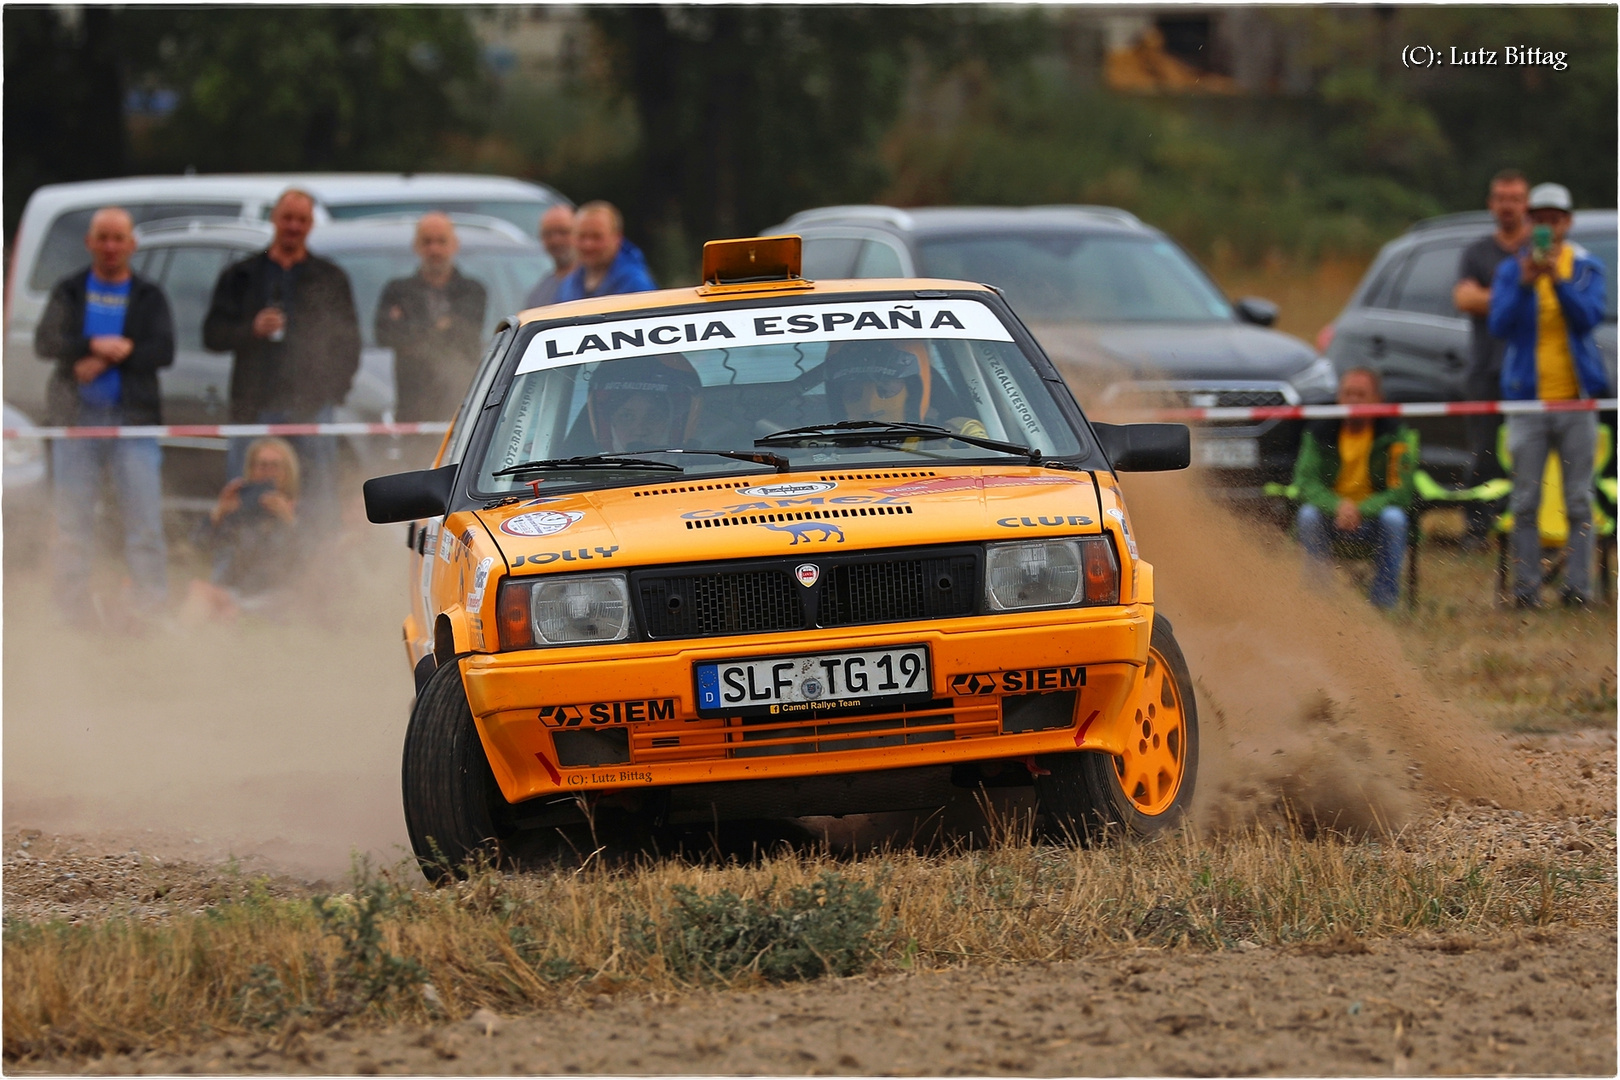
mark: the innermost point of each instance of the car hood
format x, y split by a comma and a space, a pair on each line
801, 513
1100, 354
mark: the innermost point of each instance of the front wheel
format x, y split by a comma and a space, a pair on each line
1147, 789
453, 807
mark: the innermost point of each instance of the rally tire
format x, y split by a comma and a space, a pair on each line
453, 807
1084, 795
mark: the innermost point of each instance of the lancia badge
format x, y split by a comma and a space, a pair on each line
807, 573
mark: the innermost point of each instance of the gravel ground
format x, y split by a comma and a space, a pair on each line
1534, 1002
1543, 1003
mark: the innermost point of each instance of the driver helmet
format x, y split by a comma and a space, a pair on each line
644, 402
852, 363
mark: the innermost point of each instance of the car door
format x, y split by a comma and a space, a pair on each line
1426, 337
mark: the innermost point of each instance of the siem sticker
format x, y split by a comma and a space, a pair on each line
540, 523
601, 713
1023, 681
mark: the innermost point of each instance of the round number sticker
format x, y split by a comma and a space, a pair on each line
540, 523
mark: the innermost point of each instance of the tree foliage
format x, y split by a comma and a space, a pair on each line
747, 114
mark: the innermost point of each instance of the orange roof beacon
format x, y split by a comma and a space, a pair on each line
698, 552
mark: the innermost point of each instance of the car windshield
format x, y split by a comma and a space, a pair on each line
1081, 277
1602, 247
720, 379
506, 274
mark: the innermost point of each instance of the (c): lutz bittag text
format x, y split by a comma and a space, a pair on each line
1506, 56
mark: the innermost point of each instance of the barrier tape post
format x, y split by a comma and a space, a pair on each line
1189, 414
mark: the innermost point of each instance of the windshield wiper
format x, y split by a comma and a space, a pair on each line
856, 432
775, 461
593, 461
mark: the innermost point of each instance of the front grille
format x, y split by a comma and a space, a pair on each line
900, 590
1246, 399
710, 605
764, 596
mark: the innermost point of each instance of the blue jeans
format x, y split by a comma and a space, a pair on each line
77, 467
317, 465
1385, 534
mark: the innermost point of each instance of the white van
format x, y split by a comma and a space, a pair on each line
50, 237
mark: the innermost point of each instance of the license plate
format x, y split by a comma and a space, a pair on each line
813, 685
1229, 453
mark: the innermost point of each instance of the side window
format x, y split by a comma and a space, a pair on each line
1426, 289
830, 257
188, 282
467, 418
1382, 290
877, 260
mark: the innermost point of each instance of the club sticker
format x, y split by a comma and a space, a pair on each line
540, 523
787, 490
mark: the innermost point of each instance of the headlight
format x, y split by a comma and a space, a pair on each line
1318, 380
1051, 573
564, 610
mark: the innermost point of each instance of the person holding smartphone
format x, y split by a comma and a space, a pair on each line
1545, 303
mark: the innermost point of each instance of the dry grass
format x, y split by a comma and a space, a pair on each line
516, 943
1523, 671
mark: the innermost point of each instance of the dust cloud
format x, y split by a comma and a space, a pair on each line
1306, 701
279, 743
276, 743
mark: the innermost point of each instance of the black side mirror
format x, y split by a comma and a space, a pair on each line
1253, 309
1145, 447
408, 496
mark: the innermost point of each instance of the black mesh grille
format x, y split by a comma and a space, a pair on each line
707, 605
1250, 399
899, 590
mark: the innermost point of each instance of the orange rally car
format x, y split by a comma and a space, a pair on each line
778, 547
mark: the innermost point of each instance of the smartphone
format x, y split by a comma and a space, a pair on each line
1541, 240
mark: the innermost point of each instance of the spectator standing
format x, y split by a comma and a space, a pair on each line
608, 263
1509, 194
288, 316
557, 237
1545, 305
107, 331
1354, 484
434, 322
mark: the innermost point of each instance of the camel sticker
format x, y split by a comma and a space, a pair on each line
801, 530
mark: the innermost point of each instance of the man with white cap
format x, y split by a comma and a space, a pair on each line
1545, 304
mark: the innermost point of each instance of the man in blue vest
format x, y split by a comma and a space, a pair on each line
608, 263
107, 331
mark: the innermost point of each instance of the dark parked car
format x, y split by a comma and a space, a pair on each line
1401, 322
1128, 315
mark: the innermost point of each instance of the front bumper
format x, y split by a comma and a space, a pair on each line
625, 716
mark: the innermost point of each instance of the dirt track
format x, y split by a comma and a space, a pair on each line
279, 744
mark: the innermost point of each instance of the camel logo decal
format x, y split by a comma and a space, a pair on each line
801, 530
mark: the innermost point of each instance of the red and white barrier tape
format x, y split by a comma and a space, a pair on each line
1258, 412
1387, 408
220, 431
